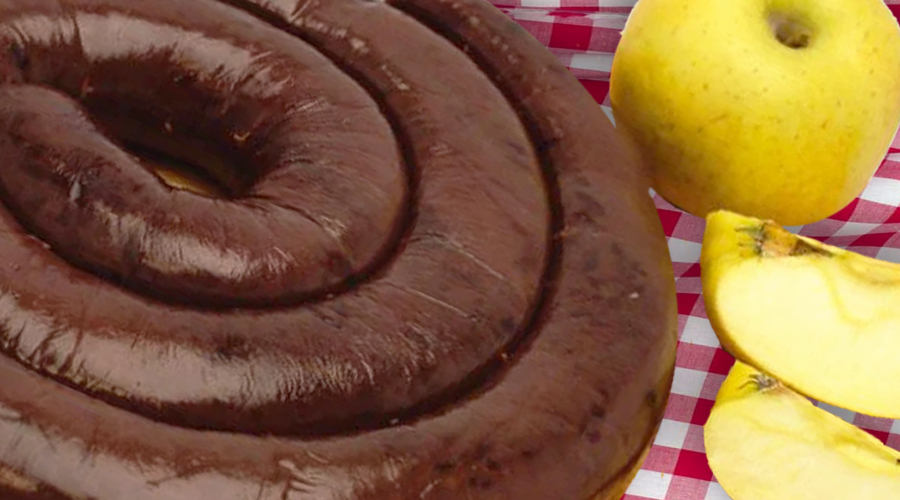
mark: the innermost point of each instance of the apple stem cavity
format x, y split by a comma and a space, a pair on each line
789, 31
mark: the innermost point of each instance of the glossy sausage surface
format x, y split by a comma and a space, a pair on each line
423, 265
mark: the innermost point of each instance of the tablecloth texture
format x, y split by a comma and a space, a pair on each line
584, 35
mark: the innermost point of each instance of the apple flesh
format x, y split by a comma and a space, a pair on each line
766, 442
823, 320
780, 109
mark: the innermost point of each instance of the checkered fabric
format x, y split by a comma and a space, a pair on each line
584, 35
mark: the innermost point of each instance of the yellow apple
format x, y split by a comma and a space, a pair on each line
766, 442
823, 320
780, 109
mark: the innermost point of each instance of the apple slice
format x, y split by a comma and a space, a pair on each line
766, 442
823, 320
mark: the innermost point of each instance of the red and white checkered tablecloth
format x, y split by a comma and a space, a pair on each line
584, 35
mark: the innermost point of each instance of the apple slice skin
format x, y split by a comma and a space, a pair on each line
766, 442
821, 319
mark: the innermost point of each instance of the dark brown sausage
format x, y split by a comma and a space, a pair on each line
432, 271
